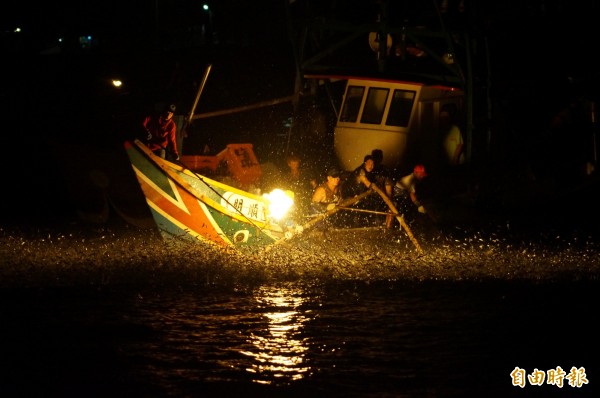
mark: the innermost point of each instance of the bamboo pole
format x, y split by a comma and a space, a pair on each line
313, 221
399, 217
200, 89
381, 213
243, 108
344, 203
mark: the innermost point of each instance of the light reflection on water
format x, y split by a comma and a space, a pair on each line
256, 336
352, 339
279, 351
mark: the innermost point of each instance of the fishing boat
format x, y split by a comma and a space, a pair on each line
191, 206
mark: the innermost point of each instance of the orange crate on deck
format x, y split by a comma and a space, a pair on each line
202, 162
242, 164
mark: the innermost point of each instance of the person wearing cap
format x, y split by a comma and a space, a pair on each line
161, 132
407, 186
327, 195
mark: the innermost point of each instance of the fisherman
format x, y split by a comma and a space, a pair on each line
381, 171
327, 195
326, 198
362, 179
300, 181
406, 188
363, 176
161, 133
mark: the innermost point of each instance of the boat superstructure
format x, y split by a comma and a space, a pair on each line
392, 116
399, 64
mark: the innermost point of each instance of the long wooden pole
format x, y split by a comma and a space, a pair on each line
243, 108
344, 203
399, 217
381, 213
200, 89
313, 221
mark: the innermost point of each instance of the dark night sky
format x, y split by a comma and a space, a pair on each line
233, 19
552, 36
536, 46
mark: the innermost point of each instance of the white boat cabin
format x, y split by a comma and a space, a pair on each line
398, 117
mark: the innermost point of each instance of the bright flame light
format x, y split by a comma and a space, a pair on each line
117, 83
279, 202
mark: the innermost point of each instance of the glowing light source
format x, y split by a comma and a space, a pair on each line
116, 83
279, 202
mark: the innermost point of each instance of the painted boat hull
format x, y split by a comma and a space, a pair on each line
190, 206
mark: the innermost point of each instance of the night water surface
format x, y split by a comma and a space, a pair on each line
396, 339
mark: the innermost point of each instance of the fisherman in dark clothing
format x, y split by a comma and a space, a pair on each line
361, 180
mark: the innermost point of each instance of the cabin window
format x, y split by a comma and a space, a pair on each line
351, 106
401, 108
375, 105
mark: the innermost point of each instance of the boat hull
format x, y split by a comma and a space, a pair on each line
190, 206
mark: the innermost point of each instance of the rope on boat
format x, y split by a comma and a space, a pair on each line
201, 178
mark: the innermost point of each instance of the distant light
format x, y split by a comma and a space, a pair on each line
448, 58
205, 7
17, 30
117, 83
